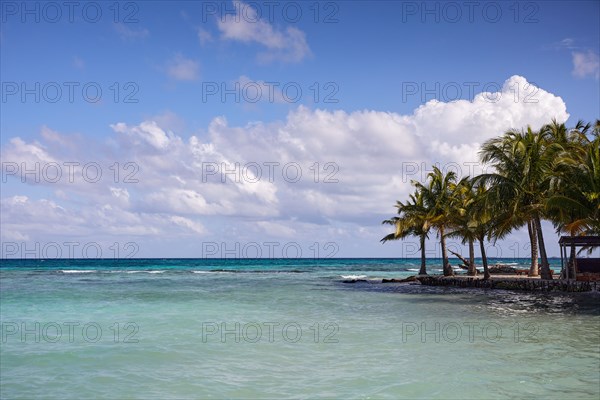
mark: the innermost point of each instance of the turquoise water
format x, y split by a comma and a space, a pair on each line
284, 329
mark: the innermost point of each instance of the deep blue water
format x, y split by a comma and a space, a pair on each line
251, 264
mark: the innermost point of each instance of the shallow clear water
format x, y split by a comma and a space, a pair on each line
284, 329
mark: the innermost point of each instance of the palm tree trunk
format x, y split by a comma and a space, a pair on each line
423, 270
472, 270
486, 272
572, 263
445, 263
533, 270
545, 265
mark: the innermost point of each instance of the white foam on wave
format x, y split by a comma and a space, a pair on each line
353, 276
76, 271
143, 272
212, 272
412, 269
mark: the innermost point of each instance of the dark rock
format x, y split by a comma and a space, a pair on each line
502, 269
394, 280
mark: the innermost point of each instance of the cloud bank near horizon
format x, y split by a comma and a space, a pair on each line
316, 175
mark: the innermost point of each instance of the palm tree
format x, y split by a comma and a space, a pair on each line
412, 221
559, 133
440, 199
552, 174
491, 218
462, 226
574, 203
523, 161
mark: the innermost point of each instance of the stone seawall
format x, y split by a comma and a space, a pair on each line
528, 284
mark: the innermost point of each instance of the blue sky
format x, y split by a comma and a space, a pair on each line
373, 89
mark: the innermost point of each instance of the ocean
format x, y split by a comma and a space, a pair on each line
285, 328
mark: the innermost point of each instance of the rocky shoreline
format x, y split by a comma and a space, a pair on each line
506, 282
509, 283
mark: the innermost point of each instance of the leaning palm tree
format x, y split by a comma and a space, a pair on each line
523, 163
411, 221
439, 197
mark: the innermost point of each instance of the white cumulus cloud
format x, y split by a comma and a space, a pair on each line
314, 173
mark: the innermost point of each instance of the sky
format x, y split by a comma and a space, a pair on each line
267, 129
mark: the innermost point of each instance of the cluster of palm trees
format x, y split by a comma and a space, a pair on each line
552, 174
